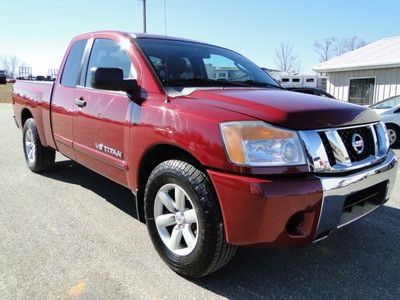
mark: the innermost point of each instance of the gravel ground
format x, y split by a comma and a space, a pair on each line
72, 233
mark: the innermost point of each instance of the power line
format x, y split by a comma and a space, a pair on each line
55, 7
65, 15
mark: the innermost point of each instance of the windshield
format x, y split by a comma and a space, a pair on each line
189, 64
387, 104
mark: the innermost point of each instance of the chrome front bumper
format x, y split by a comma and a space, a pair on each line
348, 198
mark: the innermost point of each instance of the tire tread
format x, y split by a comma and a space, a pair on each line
222, 252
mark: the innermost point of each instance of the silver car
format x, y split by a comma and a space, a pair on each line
389, 111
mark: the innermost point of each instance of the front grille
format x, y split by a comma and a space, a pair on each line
331, 149
367, 136
328, 148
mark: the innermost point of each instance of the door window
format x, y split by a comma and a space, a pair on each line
72, 67
109, 54
362, 91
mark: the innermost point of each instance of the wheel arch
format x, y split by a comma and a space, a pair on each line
393, 124
25, 115
153, 157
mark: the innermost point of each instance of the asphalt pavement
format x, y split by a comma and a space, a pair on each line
72, 233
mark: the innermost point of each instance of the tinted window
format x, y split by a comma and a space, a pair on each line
72, 66
184, 64
362, 91
109, 54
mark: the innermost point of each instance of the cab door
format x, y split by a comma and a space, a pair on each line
102, 118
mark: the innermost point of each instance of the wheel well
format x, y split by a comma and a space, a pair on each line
150, 160
25, 115
394, 125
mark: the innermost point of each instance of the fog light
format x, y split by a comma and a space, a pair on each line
294, 225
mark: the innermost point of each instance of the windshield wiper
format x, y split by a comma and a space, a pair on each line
261, 84
203, 81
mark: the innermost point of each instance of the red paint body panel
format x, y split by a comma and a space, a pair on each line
255, 211
287, 109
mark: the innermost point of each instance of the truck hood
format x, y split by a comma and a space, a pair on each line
287, 109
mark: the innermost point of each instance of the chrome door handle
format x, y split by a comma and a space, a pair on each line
80, 102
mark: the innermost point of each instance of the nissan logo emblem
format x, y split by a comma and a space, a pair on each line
358, 143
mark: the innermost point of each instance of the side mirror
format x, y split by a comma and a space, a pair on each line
112, 79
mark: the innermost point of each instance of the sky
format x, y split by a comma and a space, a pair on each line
38, 31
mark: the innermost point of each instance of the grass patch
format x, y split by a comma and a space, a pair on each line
5, 93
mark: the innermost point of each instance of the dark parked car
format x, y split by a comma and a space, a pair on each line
3, 78
310, 91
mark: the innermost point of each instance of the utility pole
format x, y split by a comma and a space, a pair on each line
144, 16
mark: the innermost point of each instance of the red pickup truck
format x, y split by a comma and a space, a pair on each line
216, 153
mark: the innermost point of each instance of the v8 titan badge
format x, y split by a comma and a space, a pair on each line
109, 150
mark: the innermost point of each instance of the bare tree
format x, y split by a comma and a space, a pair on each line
9, 64
324, 48
13, 63
346, 45
3, 62
354, 43
285, 58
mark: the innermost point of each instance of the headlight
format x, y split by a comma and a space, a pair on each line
255, 143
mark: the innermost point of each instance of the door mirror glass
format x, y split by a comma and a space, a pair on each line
112, 79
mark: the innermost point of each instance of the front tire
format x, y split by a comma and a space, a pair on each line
394, 135
37, 157
184, 220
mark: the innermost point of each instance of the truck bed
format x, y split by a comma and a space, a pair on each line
35, 96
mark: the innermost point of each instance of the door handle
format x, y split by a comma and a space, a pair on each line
80, 102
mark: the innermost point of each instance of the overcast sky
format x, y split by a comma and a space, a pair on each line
38, 31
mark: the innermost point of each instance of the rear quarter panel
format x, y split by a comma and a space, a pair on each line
34, 96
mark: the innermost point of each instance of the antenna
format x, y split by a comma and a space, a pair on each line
144, 16
165, 17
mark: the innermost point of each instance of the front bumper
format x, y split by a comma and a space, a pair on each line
347, 199
295, 210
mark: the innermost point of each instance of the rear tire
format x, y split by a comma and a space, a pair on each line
189, 233
37, 157
394, 135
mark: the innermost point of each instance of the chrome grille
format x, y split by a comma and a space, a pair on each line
368, 138
332, 149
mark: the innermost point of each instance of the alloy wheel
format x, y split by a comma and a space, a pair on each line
30, 148
392, 136
176, 219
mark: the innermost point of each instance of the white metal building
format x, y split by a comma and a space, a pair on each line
365, 75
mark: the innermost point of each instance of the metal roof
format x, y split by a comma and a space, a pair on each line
384, 53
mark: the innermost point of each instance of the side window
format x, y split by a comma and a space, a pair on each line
109, 54
72, 65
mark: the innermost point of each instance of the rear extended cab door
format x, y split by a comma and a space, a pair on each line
62, 102
101, 121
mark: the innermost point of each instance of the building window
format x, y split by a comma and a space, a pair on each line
362, 91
